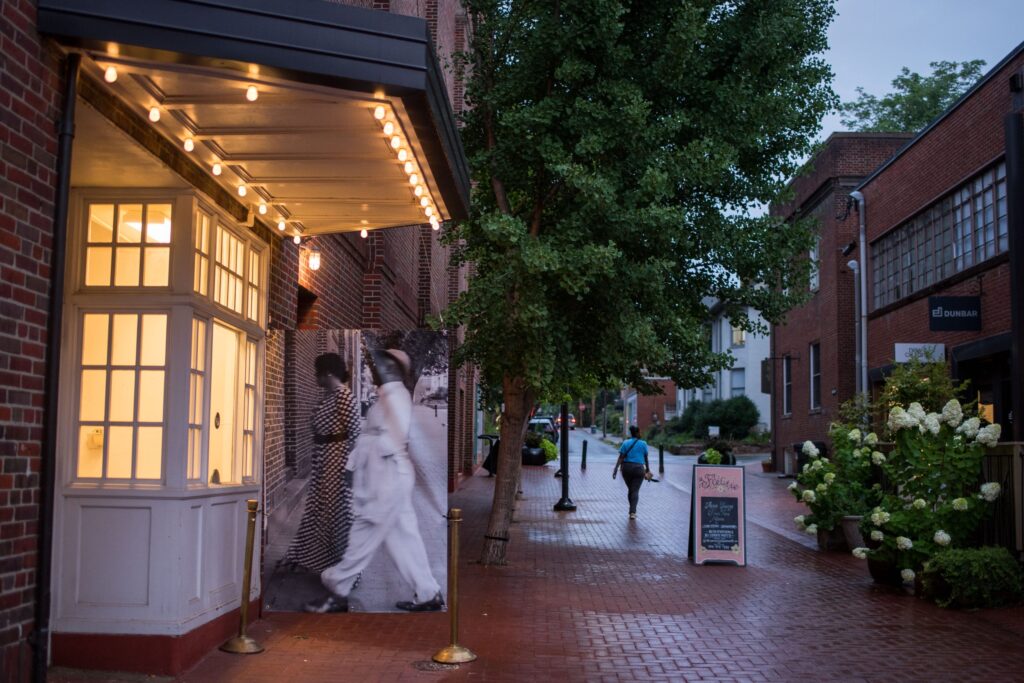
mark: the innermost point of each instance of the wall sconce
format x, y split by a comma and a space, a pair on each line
314, 258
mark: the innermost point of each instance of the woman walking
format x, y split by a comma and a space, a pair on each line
635, 467
323, 532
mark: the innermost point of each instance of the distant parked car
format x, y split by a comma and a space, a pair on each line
545, 426
572, 421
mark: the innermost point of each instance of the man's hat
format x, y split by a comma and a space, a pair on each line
402, 358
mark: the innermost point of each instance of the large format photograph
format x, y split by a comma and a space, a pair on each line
365, 431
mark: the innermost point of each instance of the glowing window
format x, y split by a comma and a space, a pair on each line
128, 245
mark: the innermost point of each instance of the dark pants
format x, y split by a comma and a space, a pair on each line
633, 475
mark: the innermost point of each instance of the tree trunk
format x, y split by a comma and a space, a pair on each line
518, 403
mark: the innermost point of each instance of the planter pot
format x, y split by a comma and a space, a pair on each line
831, 539
884, 572
767, 466
851, 531
534, 456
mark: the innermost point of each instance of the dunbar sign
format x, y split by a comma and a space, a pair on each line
954, 313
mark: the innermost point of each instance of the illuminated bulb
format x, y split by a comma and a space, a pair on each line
110, 75
402, 155
435, 226
251, 93
396, 142
216, 169
363, 233
409, 167
413, 179
189, 144
297, 239
314, 258
242, 191
280, 226
389, 128
379, 112
263, 209
154, 114
418, 191
428, 211
424, 201
434, 223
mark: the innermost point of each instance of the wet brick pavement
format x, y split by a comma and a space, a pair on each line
592, 596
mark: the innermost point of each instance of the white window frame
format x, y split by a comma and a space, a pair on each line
814, 390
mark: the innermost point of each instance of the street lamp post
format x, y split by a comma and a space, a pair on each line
565, 504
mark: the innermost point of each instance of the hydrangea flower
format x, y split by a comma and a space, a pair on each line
900, 419
816, 465
904, 543
941, 538
811, 529
931, 424
855, 435
952, 413
799, 521
871, 439
860, 553
960, 504
907, 575
831, 477
878, 457
810, 449
917, 412
991, 491
793, 486
989, 435
821, 488
879, 517
970, 427
877, 535
808, 496
920, 504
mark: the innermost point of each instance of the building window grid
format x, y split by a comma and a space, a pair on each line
128, 244
739, 336
738, 382
249, 406
255, 293
201, 245
196, 400
967, 227
229, 269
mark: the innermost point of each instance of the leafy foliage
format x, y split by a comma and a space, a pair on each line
916, 100
973, 577
840, 486
734, 416
550, 450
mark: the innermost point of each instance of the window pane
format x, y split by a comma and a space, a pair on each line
97, 266
127, 273
154, 339
198, 345
194, 445
196, 400
129, 223
119, 453
150, 453
94, 339
101, 222
158, 223
94, 395
90, 451
157, 267
124, 339
151, 396
122, 395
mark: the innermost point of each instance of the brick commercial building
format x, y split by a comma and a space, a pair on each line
176, 181
812, 354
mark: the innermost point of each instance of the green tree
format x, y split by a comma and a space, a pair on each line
616, 146
915, 101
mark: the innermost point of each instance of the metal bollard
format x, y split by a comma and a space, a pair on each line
243, 644
661, 459
583, 458
454, 653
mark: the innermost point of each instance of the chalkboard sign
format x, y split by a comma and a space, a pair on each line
718, 515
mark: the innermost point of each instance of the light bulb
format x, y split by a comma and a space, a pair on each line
418, 191
363, 233
217, 169
189, 144
280, 226
314, 258
263, 209
242, 191
424, 201
402, 155
379, 113
251, 93
389, 128
409, 167
434, 223
428, 211
297, 239
396, 142
154, 114
413, 179
435, 226
110, 75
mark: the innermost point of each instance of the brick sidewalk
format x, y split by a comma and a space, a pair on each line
591, 596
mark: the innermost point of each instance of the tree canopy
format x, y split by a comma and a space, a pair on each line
915, 101
616, 146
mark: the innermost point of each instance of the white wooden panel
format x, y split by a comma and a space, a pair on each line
191, 544
114, 555
223, 554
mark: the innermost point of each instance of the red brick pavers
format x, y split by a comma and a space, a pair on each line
591, 596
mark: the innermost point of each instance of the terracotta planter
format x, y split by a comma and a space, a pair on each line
767, 466
851, 531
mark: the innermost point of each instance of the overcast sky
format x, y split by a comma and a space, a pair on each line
871, 39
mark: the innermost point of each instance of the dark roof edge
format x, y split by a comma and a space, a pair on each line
953, 107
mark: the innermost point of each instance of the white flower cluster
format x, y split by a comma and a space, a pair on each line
952, 413
907, 575
904, 543
970, 427
877, 535
793, 486
811, 529
810, 449
855, 435
991, 491
860, 553
878, 457
821, 488
808, 496
931, 424
900, 419
871, 439
799, 521
941, 538
920, 504
959, 504
989, 435
916, 411
830, 477
879, 517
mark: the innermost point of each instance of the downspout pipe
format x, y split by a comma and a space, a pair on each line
1013, 126
862, 246
854, 265
65, 140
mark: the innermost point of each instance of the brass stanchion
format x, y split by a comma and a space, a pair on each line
243, 644
454, 653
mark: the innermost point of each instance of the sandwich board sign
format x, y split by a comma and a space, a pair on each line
718, 523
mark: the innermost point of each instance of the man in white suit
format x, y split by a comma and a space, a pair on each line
382, 484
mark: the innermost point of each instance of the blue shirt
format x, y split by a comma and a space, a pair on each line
636, 452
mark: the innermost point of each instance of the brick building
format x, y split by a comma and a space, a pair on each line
812, 354
159, 161
646, 410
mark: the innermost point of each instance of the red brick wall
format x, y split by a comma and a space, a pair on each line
649, 405
30, 84
828, 317
965, 142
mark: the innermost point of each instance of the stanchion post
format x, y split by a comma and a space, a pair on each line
243, 644
583, 458
454, 653
661, 459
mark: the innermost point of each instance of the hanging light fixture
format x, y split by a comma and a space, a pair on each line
263, 209
379, 112
281, 225
297, 239
154, 114
242, 191
363, 233
110, 75
217, 170
189, 144
389, 128
418, 191
251, 93
434, 223
314, 258
402, 155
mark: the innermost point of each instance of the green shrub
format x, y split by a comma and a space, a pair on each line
532, 440
734, 417
687, 420
972, 577
712, 457
550, 450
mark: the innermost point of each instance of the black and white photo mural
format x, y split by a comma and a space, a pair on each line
360, 526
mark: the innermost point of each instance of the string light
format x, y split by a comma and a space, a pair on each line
189, 144
217, 169
409, 167
418, 191
110, 75
251, 93
424, 201
434, 223
154, 114
428, 211
389, 128
413, 179
297, 239
379, 113
263, 209
402, 155
396, 142
242, 191
363, 233
280, 225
